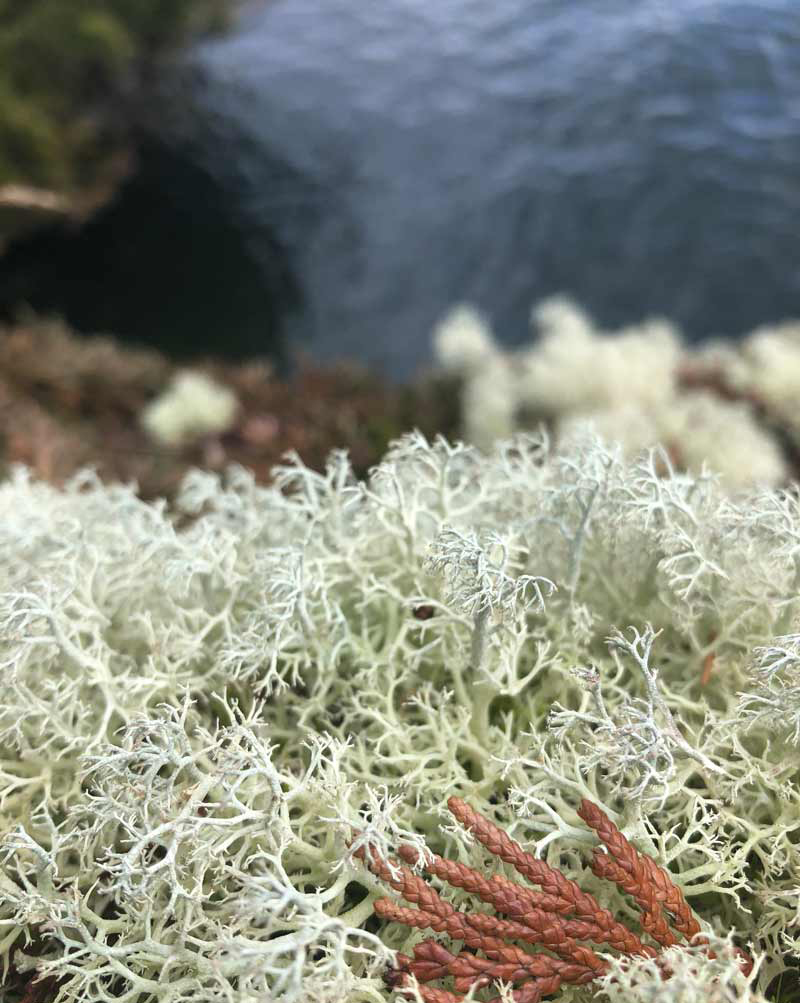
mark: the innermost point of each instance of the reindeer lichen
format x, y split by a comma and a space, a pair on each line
203, 702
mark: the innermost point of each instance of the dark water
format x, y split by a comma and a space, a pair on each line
404, 155
166, 264
643, 156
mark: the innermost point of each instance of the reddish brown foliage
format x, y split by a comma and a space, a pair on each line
556, 917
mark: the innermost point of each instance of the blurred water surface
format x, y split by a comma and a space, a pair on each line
643, 156
640, 155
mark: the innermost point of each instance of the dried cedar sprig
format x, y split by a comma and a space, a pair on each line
539, 872
436, 914
557, 917
541, 926
626, 868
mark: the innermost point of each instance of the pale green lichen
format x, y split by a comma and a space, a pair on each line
693, 977
192, 407
640, 386
204, 703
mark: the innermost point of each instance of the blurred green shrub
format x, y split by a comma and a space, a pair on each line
71, 74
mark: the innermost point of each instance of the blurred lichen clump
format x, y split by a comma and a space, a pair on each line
726, 405
72, 72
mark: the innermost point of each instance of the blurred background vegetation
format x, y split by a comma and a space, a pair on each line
79, 82
74, 77
286, 197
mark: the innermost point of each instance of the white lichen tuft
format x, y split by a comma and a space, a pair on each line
724, 435
771, 370
637, 387
774, 691
463, 341
192, 407
572, 367
695, 977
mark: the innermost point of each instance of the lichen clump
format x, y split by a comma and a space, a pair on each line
192, 406
726, 406
210, 707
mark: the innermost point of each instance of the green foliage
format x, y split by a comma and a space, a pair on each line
67, 68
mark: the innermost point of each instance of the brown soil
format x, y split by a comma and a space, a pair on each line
68, 402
